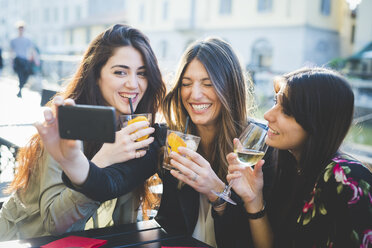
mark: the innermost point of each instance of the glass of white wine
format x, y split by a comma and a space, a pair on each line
250, 149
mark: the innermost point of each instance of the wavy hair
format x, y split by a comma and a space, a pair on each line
84, 89
232, 88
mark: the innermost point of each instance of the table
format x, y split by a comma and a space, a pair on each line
146, 234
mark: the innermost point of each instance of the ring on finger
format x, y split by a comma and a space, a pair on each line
195, 177
138, 154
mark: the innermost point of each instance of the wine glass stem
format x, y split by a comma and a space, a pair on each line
228, 189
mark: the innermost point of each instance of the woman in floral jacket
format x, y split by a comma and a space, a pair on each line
321, 197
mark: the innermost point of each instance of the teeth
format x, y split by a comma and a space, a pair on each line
128, 95
273, 131
200, 106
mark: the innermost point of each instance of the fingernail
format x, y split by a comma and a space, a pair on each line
48, 115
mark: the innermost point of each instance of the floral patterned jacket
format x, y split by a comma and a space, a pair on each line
338, 212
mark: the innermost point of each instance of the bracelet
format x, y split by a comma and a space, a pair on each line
219, 201
259, 214
220, 208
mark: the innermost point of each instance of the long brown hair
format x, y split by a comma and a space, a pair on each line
322, 102
232, 88
84, 89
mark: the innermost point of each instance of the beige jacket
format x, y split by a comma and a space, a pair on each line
49, 207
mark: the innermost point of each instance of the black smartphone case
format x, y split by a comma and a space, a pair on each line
87, 122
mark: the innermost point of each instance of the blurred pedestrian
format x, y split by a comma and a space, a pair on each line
22, 48
1, 61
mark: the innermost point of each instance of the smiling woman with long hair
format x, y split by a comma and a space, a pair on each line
118, 63
321, 196
211, 88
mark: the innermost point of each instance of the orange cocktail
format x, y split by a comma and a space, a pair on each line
177, 139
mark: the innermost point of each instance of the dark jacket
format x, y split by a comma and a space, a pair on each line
179, 211
118, 179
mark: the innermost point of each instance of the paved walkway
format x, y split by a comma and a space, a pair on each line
14, 110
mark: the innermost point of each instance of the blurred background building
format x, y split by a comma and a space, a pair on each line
270, 36
279, 35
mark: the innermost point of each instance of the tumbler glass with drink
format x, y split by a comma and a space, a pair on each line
177, 139
129, 119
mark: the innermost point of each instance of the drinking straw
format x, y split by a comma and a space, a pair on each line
187, 123
131, 106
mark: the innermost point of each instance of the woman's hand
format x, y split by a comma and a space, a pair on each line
66, 152
196, 171
125, 147
248, 182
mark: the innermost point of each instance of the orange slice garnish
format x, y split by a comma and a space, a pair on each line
175, 141
137, 119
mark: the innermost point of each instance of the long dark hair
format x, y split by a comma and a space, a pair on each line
232, 88
322, 102
83, 88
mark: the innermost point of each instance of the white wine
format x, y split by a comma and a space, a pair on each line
249, 157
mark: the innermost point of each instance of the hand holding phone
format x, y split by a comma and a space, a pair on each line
87, 122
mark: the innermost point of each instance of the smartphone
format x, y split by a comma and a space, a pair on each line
87, 122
